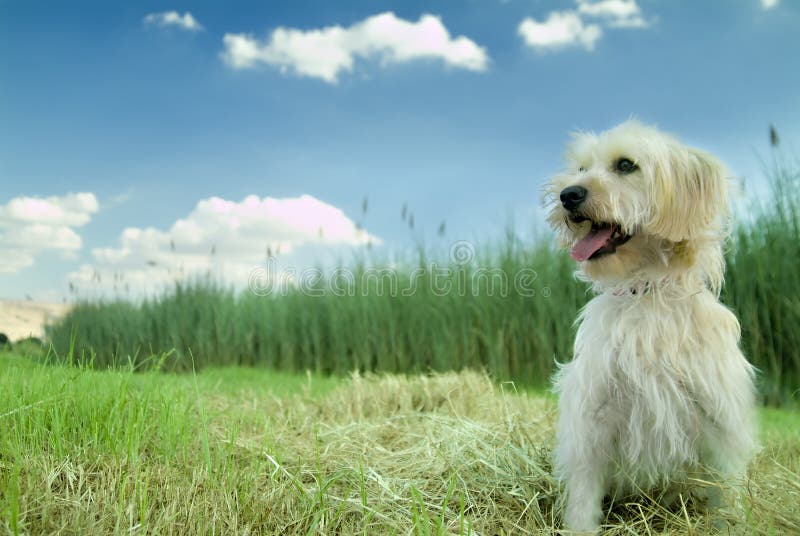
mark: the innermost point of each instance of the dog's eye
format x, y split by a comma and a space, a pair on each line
625, 166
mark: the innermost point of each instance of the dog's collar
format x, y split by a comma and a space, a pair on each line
644, 286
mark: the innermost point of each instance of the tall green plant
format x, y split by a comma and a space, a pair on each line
511, 334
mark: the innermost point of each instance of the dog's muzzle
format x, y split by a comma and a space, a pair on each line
572, 197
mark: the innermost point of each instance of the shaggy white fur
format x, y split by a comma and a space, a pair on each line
658, 391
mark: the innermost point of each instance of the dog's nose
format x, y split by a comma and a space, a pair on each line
573, 197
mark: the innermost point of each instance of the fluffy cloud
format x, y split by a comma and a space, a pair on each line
582, 27
226, 238
72, 210
325, 53
561, 29
615, 13
173, 18
32, 225
769, 4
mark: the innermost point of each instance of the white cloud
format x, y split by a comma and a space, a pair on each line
224, 237
581, 28
173, 18
30, 226
73, 210
325, 53
561, 29
615, 13
14, 259
52, 237
769, 4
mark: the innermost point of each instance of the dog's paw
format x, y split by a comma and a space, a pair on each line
581, 519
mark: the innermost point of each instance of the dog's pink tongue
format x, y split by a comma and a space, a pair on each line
590, 243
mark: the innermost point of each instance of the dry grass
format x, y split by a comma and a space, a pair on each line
444, 454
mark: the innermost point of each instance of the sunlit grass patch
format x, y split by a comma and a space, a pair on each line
248, 451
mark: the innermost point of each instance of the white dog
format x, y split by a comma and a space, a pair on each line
658, 391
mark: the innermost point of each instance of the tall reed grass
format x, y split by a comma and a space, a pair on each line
762, 284
514, 335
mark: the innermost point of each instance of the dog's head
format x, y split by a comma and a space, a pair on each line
636, 203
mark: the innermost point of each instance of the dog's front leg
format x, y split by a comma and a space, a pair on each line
582, 457
585, 490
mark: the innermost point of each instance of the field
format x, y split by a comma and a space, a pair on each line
506, 307
243, 451
370, 411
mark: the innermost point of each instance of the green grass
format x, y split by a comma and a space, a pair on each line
239, 450
762, 285
512, 335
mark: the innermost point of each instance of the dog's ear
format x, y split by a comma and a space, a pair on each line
690, 196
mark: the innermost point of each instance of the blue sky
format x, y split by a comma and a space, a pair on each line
157, 117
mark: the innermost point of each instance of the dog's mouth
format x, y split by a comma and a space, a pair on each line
602, 239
